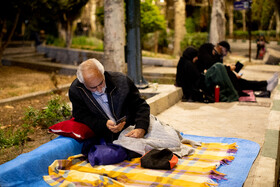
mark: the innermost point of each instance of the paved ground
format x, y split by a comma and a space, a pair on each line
258, 122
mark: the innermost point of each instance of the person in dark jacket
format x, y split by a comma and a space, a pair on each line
100, 98
188, 76
209, 54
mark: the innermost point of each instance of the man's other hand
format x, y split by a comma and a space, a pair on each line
115, 128
136, 133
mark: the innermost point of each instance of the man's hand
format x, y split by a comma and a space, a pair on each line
136, 133
232, 67
115, 128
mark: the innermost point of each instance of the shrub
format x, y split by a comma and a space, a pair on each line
90, 43
55, 111
51, 40
194, 39
240, 34
10, 137
80, 42
190, 25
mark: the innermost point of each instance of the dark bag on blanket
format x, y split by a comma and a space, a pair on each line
159, 159
106, 154
101, 153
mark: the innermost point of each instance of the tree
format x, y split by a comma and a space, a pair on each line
13, 12
10, 12
151, 18
114, 35
277, 23
230, 13
66, 12
217, 26
262, 11
179, 30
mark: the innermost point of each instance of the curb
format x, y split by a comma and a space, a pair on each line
167, 96
269, 158
34, 94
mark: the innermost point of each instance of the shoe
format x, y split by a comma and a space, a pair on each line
265, 94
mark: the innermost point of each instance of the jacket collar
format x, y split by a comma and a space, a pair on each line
109, 82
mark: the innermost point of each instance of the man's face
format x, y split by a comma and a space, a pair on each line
224, 51
95, 82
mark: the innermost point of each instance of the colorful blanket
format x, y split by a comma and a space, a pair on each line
198, 169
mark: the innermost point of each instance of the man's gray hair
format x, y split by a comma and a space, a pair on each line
90, 63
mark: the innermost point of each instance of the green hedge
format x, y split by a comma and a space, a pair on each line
255, 34
194, 39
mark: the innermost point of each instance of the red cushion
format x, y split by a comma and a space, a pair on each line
73, 129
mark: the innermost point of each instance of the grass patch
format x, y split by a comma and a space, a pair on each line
12, 94
11, 137
55, 111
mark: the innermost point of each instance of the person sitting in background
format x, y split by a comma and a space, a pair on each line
196, 85
260, 47
99, 98
209, 54
188, 75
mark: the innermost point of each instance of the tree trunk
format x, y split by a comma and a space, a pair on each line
69, 34
114, 35
271, 20
156, 42
244, 20
217, 27
88, 17
277, 24
179, 26
230, 13
3, 45
61, 31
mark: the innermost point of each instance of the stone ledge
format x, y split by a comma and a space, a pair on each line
31, 95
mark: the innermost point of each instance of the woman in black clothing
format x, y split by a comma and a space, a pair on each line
188, 76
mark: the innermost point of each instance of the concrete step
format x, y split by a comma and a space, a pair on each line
42, 66
30, 55
19, 50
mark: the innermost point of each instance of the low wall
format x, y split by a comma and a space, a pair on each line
69, 56
76, 56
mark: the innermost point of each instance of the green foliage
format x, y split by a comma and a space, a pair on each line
262, 11
10, 137
55, 111
88, 41
151, 18
194, 39
79, 42
267, 12
51, 40
190, 25
240, 34
100, 15
255, 34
